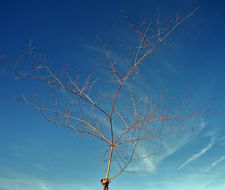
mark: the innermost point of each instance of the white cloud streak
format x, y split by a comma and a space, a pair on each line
163, 149
216, 162
196, 156
99, 50
33, 183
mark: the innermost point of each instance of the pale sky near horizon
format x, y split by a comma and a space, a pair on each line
35, 155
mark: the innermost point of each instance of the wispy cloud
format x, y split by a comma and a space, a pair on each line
196, 156
199, 180
202, 124
34, 183
149, 165
207, 184
216, 162
96, 49
169, 67
222, 141
16, 183
211, 133
165, 148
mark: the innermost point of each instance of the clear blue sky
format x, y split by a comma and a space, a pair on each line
35, 155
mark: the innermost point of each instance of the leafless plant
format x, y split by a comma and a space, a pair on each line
124, 123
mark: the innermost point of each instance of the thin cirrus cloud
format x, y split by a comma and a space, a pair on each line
32, 183
171, 145
216, 162
196, 156
167, 147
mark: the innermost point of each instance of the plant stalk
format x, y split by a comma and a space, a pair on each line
109, 163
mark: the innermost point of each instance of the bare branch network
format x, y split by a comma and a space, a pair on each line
121, 125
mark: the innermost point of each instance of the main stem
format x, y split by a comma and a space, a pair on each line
105, 182
109, 163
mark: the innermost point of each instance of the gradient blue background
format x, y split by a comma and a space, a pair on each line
34, 155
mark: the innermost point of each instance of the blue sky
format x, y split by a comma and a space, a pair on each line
35, 155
